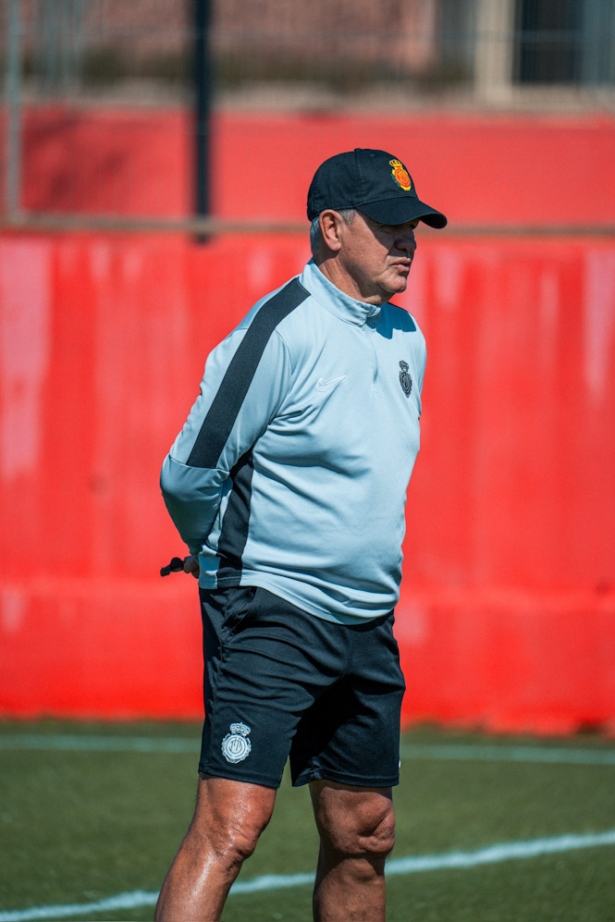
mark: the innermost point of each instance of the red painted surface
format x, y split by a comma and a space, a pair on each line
507, 616
479, 169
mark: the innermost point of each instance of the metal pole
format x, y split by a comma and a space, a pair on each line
493, 63
13, 101
202, 115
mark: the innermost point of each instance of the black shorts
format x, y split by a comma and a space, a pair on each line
280, 682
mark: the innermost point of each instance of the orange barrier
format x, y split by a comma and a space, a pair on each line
508, 611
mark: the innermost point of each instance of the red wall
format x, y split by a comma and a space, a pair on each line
494, 169
507, 615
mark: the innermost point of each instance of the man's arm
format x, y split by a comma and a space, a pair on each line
233, 409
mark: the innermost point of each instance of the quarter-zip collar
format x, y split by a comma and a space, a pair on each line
335, 301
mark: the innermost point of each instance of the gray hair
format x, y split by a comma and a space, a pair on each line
316, 241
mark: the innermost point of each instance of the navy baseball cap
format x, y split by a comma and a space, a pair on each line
375, 183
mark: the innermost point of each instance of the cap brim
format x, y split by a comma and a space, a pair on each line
400, 210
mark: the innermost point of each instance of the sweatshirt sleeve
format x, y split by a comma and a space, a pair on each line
421, 360
234, 407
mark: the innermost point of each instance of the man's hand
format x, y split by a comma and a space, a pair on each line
191, 565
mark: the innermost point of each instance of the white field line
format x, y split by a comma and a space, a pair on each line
78, 743
479, 752
484, 752
413, 864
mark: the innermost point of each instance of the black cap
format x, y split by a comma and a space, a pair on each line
375, 183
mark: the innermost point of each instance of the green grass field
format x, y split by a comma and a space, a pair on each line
90, 811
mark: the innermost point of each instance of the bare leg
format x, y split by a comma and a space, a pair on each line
357, 832
228, 820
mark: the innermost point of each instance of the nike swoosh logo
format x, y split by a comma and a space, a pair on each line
327, 385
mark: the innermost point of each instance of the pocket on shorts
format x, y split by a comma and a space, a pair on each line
238, 607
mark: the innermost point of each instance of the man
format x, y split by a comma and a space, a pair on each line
288, 483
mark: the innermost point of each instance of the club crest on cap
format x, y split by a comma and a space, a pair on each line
400, 175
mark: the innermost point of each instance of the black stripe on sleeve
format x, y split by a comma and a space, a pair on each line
226, 405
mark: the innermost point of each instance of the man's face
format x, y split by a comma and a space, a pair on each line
376, 258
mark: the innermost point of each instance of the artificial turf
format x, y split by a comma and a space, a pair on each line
78, 826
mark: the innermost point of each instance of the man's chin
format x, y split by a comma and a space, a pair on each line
399, 285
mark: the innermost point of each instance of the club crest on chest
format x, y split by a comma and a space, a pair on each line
404, 378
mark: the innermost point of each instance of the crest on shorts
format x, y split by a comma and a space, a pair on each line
400, 175
404, 378
236, 745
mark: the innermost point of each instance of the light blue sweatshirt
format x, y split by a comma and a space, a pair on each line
292, 468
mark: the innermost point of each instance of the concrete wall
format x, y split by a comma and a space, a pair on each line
507, 615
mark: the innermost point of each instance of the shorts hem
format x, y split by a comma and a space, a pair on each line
244, 779
340, 778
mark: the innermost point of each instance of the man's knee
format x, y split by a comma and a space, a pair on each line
373, 840
229, 819
231, 844
361, 825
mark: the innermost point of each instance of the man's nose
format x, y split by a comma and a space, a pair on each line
405, 239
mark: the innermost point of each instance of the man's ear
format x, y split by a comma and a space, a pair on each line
331, 223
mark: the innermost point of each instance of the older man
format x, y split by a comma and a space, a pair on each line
288, 484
